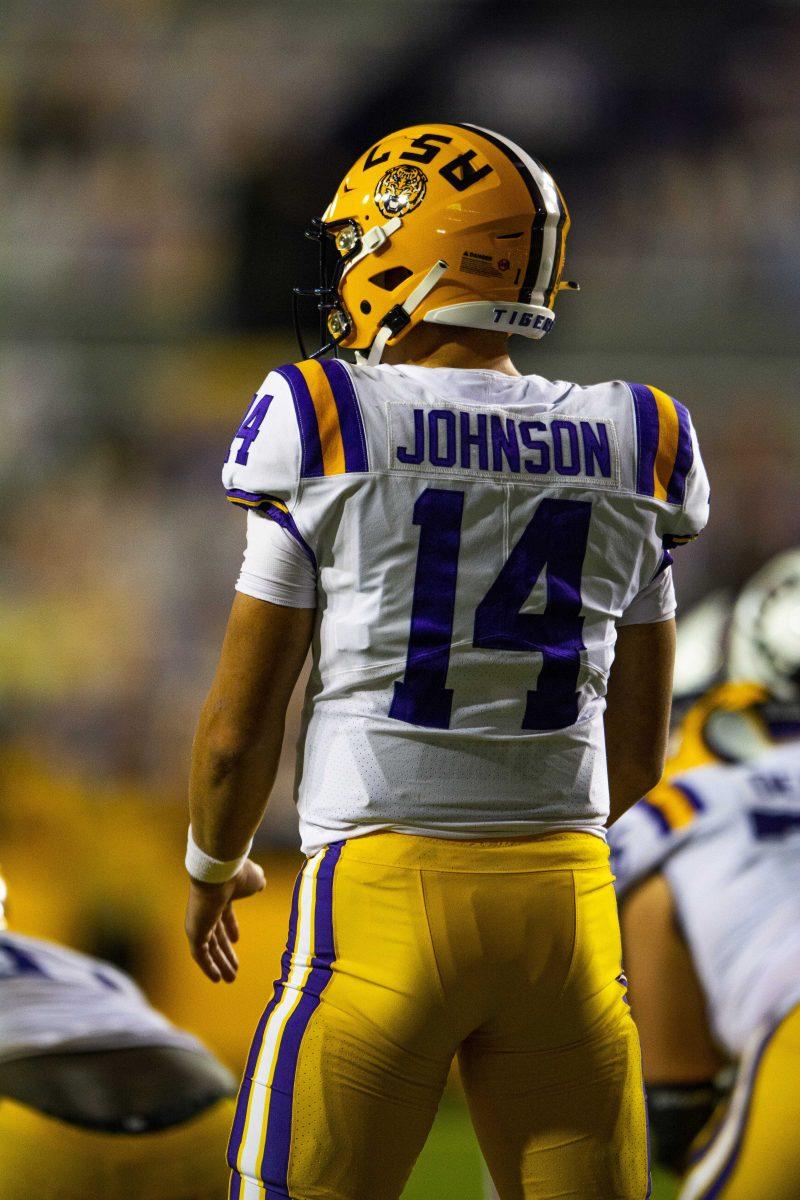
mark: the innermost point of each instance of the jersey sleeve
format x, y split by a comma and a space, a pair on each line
647, 834
655, 602
669, 466
275, 567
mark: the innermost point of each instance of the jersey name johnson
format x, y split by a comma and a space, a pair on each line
476, 440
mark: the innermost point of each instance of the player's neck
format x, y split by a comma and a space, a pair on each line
440, 346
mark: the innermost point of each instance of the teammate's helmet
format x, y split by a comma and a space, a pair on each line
765, 630
3, 899
450, 224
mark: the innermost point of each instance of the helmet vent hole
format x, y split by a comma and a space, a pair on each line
391, 279
507, 237
365, 307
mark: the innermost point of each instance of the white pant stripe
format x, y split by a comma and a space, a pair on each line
708, 1168
255, 1126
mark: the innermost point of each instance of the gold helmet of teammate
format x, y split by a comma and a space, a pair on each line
449, 224
3, 899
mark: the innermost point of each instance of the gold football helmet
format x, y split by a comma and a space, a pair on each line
3, 900
450, 224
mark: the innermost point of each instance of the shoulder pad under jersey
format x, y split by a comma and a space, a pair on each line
668, 463
304, 423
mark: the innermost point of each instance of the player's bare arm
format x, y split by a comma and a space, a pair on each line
637, 711
234, 760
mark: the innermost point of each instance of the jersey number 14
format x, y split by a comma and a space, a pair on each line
553, 540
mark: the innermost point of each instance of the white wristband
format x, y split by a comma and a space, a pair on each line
205, 869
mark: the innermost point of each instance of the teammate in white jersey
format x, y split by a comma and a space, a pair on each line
464, 548
99, 1094
708, 878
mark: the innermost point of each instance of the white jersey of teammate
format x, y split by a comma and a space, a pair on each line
471, 541
54, 1000
734, 874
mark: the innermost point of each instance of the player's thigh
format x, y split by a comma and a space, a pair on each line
566, 1123
351, 1056
557, 1096
754, 1151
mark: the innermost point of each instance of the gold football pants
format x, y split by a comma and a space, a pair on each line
752, 1151
404, 952
42, 1158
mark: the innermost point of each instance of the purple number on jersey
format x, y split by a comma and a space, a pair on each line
249, 429
421, 697
554, 540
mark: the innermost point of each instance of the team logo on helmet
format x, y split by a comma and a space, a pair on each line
400, 190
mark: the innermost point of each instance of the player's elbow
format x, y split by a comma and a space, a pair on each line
224, 743
631, 777
647, 772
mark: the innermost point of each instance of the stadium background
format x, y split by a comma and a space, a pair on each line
159, 160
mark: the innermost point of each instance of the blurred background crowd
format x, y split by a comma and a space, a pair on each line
159, 161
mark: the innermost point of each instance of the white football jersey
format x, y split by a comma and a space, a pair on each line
475, 539
734, 873
54, 1000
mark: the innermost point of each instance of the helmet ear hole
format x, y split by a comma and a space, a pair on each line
391, 279
365, 307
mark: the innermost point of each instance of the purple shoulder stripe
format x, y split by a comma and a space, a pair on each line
350, 420
655, 814
684, 457
647, 431
311, 463
691, 795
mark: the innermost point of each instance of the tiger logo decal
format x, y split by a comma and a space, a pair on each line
400, 190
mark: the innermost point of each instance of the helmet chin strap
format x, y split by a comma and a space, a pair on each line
398, 317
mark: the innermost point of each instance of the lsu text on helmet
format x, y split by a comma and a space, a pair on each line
449, 224
765, 629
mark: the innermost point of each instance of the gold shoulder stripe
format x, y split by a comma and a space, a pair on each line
330, 430
668, 432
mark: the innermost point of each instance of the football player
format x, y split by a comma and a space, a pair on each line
756, 704
708, 876
99, 1094
465, 549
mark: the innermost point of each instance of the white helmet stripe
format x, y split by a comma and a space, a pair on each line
546, 188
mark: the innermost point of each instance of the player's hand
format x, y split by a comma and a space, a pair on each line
211, 923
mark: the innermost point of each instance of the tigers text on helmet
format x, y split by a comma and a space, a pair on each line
764, 642
449, 224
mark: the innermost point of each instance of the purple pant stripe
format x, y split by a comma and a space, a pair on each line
311, 463
350, 422
237, 1129
646, 411
275, 1162
235, 1189
684, 457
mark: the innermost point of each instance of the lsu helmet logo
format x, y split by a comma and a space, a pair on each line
400, 190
